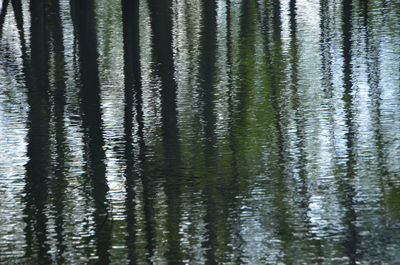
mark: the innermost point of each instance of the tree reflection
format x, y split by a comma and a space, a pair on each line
161, 26
207, 69
130, 18
37, 168
60, 168
82, 13
252, 133
346, 189
3, 13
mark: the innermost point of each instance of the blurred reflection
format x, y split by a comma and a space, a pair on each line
233, 195
130, 17
161, 26
136, 167
207, 69
346, 189
59, 183
37, 168
218, 132
300, 168
82, 13
372, 58
3, 13
284, 227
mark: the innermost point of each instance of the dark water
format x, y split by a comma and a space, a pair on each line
200, 132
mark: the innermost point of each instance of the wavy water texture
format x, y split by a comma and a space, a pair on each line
199, 132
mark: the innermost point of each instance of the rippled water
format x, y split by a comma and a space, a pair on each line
200, 132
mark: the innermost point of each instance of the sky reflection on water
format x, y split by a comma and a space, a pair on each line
199, 132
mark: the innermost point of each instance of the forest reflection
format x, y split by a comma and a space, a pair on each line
199, 132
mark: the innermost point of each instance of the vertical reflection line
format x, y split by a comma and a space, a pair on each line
300, 126
326, 69
3, 13
84, 25
246, 28
299, 119
207, 70
284, 229
149, 193
294, 61
28, 82
229, 42
161, 26
375, 90
37, 168
233, 146
141, 163
372, 57
350, 242
133, 82
17, 7
325, 43
59, 184
130, 19
327, 73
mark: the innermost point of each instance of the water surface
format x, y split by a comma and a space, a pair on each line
200, 132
